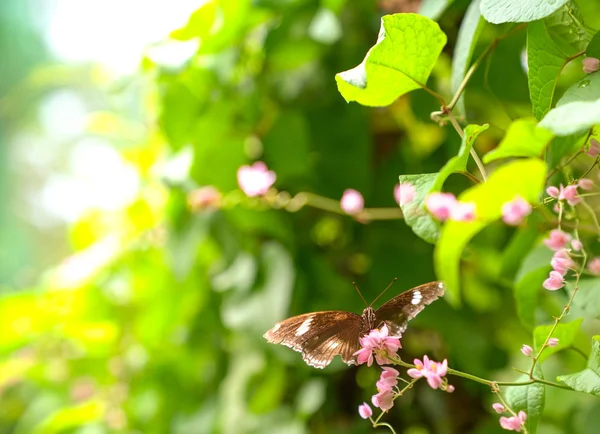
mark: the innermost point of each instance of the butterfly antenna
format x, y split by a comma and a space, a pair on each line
383, 292
359, 293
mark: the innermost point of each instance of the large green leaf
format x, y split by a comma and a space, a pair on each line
468, 34
587, 299
593, 48
572, 118
523, 139
545, 60
588, 380
402, 59
524, 177
567, 29
531, 399
518, 11
565, 333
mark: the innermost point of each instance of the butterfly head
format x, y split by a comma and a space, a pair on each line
369, 319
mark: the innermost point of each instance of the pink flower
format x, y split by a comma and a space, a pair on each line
463, 212
557, 239
204, 197
554, 281
569, 193
562, 262
552, 191
388, 379
552, 342
450, 388
577, 245
526, 350
514, 211
365, 411
379, 343
404, 193
255, 180
352, 202
498, 408
384, 400
585, 184
594, 266
590, 64
594, 148
440, 205
433, 371
513, 423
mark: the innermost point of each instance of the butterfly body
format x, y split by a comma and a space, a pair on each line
320, 336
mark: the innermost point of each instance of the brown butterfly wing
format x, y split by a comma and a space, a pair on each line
319, 336
399, 310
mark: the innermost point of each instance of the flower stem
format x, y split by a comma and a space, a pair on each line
557, 320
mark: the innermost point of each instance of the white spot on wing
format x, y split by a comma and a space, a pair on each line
417, 297
276, 327
304, 327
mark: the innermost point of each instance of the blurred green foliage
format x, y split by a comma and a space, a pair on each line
155, 324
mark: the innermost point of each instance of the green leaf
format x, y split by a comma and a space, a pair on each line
545, 60
566, 28
468, 34
434, 8
518, 11
529, 279
531, 399
572, 118
199, 23
415, 214
565, 333
587, 300
68, 418
565, 145
523, 177
523, 139
593, 48
402, 59
588, 380
586, 89
459, 162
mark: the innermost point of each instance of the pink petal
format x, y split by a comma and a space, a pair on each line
364, 410
414, 373
440, 205
404, 193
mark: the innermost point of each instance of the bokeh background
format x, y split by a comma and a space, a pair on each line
124, 309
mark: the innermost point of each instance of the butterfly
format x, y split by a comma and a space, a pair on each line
320, 336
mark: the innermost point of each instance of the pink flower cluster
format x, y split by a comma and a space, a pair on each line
377, 342
388, 380
444, 206
255, 180
561, 261
513, 423
515, 211
434, 372
570, 193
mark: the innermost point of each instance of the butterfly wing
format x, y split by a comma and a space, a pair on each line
319, 336
397, 312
